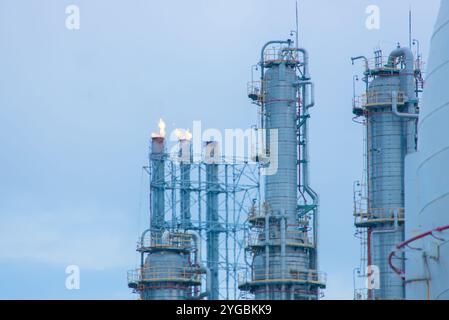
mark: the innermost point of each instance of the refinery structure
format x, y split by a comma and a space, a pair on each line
228, 228
193, 248
388, 109
224, 227
284, 225
400, 205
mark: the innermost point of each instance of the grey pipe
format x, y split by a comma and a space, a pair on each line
305, 177
312, 92
142, 241
407, 82
394, 106
283, 250
361, 57
199, 262
305, 54
407, 73
267, 247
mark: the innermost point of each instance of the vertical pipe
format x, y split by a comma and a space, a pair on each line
185, 155
408, 84
157, 184
173, 194
227, 231
267, 252
234, 229
370, 292
199, 200
410, 28
213, 229
297, 25
283, 253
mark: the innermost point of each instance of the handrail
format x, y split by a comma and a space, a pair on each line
258, 275
168, 240
165, 274
378, 214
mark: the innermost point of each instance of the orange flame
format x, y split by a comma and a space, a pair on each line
162, 131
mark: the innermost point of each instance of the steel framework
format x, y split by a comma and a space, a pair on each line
209, 199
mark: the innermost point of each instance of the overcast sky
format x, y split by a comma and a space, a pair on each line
77, 109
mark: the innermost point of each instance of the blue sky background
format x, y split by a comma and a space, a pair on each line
77, 108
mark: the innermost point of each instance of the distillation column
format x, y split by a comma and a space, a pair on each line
283, 266
390, 109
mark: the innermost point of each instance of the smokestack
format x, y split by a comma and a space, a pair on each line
211, 158
157, 183
185, 157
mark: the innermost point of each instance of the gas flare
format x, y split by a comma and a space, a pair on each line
162, 131
183, 135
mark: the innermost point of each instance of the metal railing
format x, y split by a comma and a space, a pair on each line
293, 238
259, 214
382, 63
170, 240
272, 54
260, 276
378, 99
153, 274
379, 215
254, 91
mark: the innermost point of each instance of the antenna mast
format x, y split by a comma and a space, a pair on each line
297, 26
410, 28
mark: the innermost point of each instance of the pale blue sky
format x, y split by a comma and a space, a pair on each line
77, 108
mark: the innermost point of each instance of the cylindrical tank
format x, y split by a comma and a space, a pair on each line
427, 189
166, 274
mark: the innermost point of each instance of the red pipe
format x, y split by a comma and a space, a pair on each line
406, 243
369, 257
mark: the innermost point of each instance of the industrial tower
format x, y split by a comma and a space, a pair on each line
389, 112
198, 208
283, 238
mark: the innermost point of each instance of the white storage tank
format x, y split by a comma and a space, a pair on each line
427, 179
